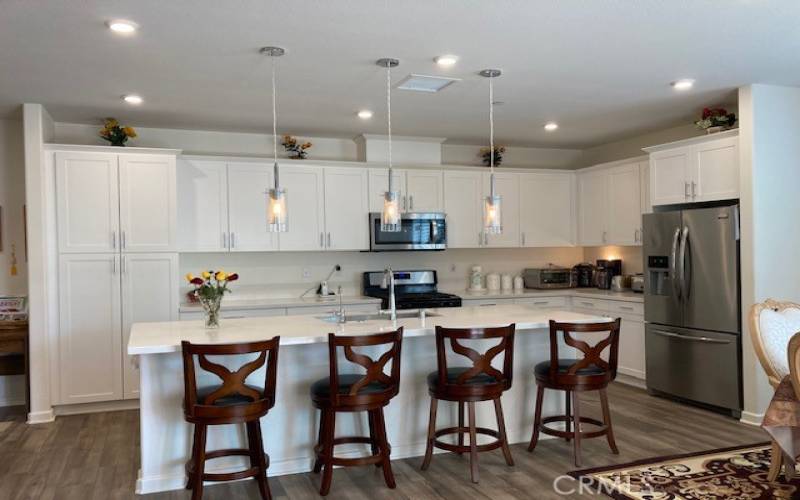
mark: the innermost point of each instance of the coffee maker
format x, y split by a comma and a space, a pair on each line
606, 270
584, 275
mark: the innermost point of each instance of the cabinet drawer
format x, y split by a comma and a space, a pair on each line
619, 307
485, 302
236, 313
333, 306
543, 302
590, 304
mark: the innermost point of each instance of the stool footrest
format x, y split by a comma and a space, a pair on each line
251, 471
543, 428
464, 448
347, 462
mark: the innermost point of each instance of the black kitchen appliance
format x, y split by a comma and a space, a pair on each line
584, 275
606, 270
413, 290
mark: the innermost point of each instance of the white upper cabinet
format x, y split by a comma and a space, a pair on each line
507, 186
305, 192
346, 209
547, 214
695, 170
624, 205
379, 184
202, 206
425, 190
463, 206
147, 200
248, 184
593, 200
149, 293
88, 202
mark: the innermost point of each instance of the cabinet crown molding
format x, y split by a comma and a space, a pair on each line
692, 141
87, 148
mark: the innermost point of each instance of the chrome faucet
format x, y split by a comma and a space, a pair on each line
341, 314
388, 282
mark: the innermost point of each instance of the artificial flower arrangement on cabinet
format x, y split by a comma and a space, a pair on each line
485, 153
209, 288
116, 134
715, 120
296, 151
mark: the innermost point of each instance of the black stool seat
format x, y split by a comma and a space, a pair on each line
322, 387
455, 372
543, 369
228, 399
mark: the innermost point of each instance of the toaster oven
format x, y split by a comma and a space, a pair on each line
552, 277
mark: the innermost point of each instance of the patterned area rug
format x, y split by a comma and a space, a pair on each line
734, 473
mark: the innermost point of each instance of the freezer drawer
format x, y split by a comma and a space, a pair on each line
697, 365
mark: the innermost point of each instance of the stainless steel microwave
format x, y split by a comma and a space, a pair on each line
418, 231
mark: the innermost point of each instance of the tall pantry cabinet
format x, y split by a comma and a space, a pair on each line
116, 230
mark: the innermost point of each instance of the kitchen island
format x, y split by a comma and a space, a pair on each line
290, 429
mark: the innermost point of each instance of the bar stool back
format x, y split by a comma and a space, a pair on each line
370, 392
468, 385
231, 402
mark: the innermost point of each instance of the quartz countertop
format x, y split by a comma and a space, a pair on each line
590, 293
230, 303
154, 338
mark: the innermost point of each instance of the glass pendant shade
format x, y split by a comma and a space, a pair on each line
390, 217
277, 213
492, 214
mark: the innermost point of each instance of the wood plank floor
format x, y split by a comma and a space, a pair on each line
96, 457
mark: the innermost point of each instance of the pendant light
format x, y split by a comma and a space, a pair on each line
390, 216
492, 206
277, 214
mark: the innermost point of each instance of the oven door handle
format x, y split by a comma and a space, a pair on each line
434, 231
693, 339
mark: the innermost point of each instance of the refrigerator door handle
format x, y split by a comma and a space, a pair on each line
673, 259
685, 278
694, 339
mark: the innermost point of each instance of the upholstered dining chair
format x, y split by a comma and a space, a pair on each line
772, 325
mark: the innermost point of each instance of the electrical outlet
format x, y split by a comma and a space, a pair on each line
306, 274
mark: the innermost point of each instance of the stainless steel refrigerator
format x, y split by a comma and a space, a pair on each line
692, 305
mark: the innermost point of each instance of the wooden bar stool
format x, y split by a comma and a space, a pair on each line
591, 373
232, 402
479, 382
369, 392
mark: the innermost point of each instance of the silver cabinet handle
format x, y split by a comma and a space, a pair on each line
626, 308
604, 236
587, 304
694, 339
694, 189
637, 238
480, 238
523, 238
122, 264
405, 203
329, 240
485, 238
224, 240
321, 240
114, 266
685, 189
114, 240
411, 202
488, 305
233, 240
124, 243
541, 303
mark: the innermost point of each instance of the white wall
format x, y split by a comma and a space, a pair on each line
769, 141
12, 199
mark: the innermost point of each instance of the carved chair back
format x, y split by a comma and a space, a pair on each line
590, 354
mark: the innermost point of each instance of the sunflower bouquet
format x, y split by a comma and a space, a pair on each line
209, 288
116, 134
296, 150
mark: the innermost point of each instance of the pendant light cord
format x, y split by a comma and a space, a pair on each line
389, 117
274, 125
491, 137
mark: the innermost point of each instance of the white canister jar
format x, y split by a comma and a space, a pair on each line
506, 283
493, 282
519, 283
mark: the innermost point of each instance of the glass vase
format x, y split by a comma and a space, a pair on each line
211, 311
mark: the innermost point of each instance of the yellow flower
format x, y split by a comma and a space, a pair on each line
111, 123
206, 275
221, 276
189, 276
129, 131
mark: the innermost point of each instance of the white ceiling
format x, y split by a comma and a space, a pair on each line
600, 68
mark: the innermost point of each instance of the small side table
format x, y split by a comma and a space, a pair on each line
14, 356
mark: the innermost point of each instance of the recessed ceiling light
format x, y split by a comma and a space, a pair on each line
446, 60
133, 99
122, 26
550, 126
365, 114
683, 84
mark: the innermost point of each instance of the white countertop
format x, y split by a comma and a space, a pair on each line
589, 293
154, 338
230, 303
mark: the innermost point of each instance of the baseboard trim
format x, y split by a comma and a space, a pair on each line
632, 380
104, 406
41, 417
751, 418
167, 482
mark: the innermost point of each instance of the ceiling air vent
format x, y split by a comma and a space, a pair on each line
424, 83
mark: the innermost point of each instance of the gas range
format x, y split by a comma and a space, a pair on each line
413, 290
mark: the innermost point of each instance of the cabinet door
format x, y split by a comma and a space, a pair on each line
425, 191
462, 204
593, 202
149, 293
631, 347
90, 336
547, 210
202, 206
88, 204
305, 194
716, 170
669, 176
624, 205
379, 184
507, 186
147, 201
346, 209
248, 184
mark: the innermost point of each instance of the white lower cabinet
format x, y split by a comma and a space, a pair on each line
149, 293
90, 329
100, 297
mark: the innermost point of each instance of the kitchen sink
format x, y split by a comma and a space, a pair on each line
360, 318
